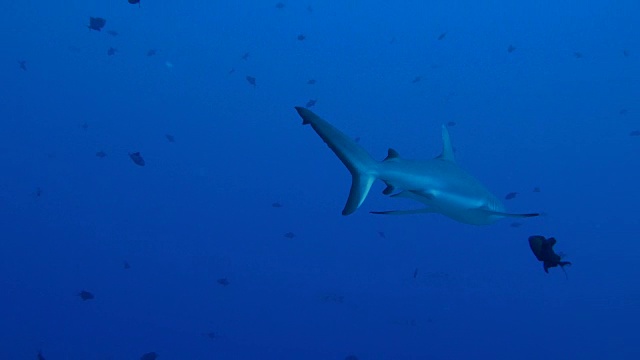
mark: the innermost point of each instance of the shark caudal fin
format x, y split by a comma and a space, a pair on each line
361, 165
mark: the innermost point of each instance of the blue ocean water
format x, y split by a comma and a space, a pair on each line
229, 243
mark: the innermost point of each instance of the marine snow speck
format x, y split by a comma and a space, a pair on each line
137, 158
96, 23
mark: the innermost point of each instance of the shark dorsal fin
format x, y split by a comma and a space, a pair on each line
391, 154
447, 150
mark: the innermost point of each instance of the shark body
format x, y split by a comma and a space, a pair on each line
438, 183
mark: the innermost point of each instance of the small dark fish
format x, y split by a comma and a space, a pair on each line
211, 335
543, 250
38, 192
310, 103
626, 53
170, 138
40, 356
351, 357
301, 37
511, 195
152, 52
23, 64
451, 123
536, 189
245, 56
623, 111
126, 265
101, 154
149, 356
85, 295
96, 23
289, 235
133, 2
515, 224
578, 55
84, 126
415, 273
635, 133
442, 36
280, 5
112, 51
276, 205
112, 33
511, 49
382, 234
251, 80
137, 158
311, 81
416, 79
223, 281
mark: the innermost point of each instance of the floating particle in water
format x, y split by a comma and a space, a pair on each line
280, 5
170, 138
451, 123
112, 33
311, 82
289, 235
112, 51
23, 64
442, 36
516, 224
416, 79
223, 281
511, 49
310, 103
152, 52
301, 37
101, 154
635, 133
276, 204
251, 80
536, 189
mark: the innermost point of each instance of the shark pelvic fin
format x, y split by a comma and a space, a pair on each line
403, 212
391, 154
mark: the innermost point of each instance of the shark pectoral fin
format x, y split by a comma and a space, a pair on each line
403, 212
360, 186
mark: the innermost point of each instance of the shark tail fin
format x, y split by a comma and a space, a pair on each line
361, 165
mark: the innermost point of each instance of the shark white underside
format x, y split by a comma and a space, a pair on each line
439, 183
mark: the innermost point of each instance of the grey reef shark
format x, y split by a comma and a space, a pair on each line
438, 183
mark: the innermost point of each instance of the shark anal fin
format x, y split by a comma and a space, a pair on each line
403, 212
389, 189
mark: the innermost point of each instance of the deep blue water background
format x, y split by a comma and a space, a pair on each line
201, 208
